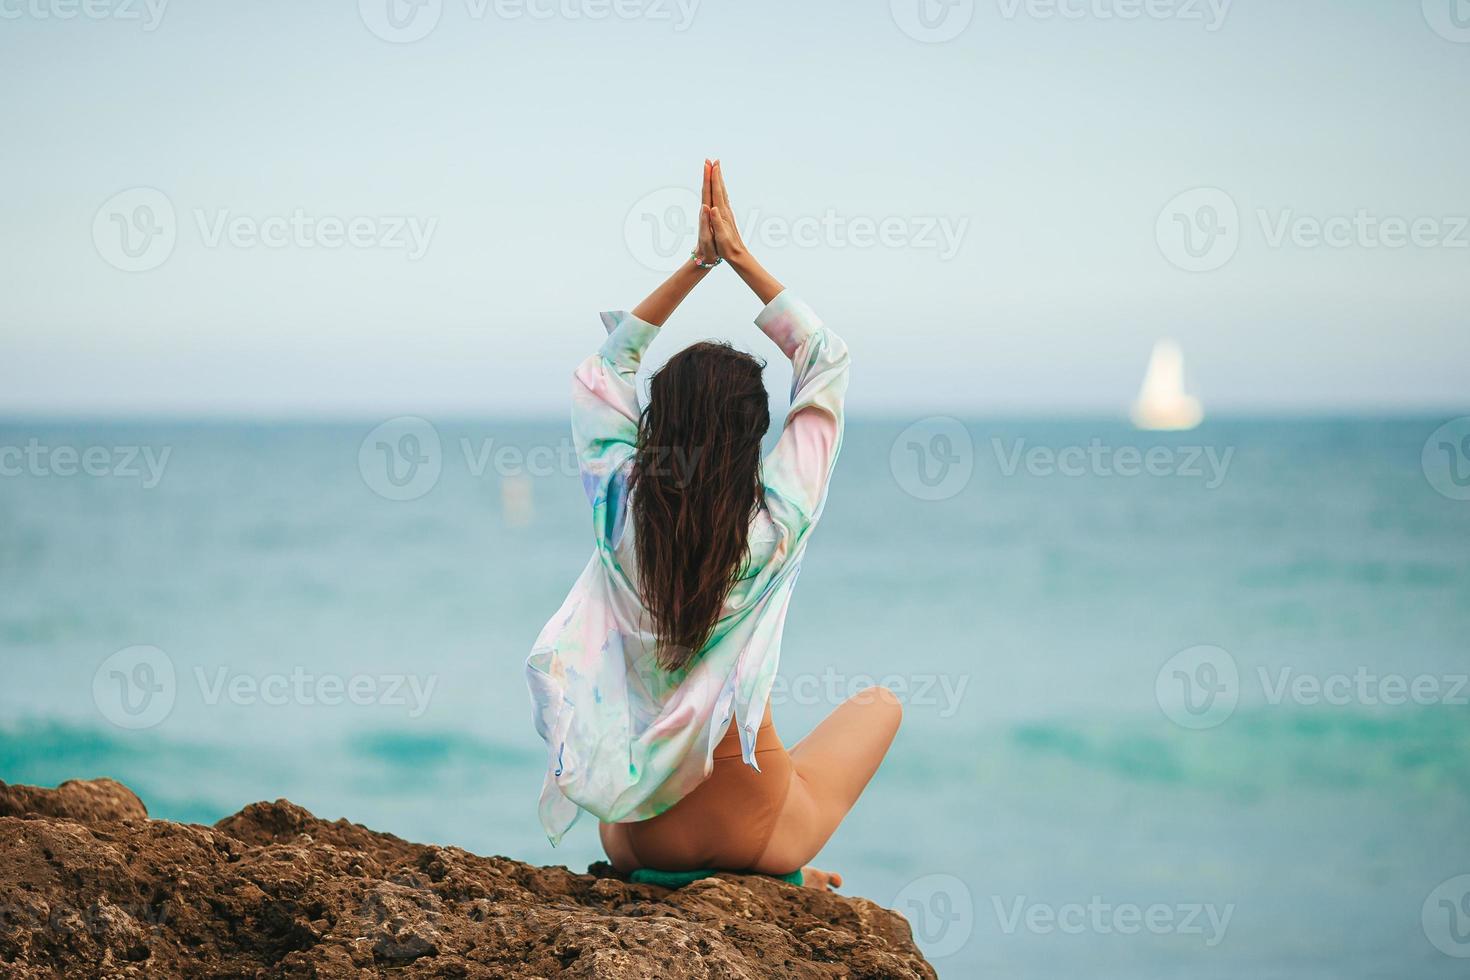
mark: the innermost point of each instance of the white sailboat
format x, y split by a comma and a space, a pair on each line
1162, 402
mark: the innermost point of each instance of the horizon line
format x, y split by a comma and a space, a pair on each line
10, 419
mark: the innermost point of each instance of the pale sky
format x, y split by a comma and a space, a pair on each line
992, 221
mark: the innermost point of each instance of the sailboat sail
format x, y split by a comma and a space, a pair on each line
1162, 403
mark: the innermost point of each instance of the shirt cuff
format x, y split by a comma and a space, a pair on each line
788, 321
627, 338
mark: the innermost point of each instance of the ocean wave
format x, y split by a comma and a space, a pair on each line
1259, 752
200, 780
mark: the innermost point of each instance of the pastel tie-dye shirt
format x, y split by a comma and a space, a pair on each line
626, 738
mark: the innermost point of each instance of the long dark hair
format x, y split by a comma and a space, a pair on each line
694, 487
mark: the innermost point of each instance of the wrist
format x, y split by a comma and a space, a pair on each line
739, 257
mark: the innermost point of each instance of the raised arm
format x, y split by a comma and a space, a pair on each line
729, 244
663, 301
797, 471
604, 391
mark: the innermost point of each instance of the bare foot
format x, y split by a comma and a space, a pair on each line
824, 880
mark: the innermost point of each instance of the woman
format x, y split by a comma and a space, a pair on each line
651, 683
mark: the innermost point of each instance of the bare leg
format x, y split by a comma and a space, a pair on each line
830, 768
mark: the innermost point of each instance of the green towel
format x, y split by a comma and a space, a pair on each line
678, 879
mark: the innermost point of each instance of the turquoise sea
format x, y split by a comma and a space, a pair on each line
1208, 720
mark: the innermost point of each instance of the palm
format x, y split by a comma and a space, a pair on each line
706, 252
722, 216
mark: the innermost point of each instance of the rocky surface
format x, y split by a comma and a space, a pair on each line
90, 887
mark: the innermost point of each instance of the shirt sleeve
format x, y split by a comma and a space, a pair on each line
798, 470
605, 419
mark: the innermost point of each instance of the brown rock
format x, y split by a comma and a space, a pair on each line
90, 888
88, 801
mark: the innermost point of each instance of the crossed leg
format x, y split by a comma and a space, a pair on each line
830, 769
